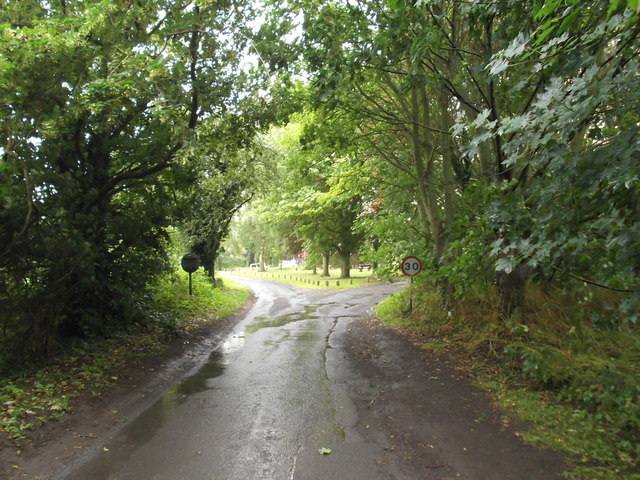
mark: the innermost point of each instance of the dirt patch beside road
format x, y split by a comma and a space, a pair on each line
430, 419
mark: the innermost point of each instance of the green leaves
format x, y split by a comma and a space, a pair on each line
109, 108
543, 10
506, 264
634, 5
516, 48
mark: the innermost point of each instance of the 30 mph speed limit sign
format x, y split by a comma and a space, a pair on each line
411, 266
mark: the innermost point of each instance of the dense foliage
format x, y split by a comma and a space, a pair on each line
111, 114
496, 140
514, 125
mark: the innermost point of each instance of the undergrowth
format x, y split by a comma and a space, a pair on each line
575, 380
176, 311
41, 393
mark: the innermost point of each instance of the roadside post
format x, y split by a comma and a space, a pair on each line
411, 266
190, 263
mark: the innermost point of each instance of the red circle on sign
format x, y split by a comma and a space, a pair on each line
411, 266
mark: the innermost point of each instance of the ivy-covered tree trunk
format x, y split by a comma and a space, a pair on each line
208, 252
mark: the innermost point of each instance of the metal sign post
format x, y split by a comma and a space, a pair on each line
190, 263
411, 266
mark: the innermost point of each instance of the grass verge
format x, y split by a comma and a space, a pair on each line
38, 395
307, 279
577, 386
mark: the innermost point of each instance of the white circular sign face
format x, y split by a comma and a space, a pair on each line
411, 266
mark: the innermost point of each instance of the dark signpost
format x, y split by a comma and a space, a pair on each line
411, 266
190, 263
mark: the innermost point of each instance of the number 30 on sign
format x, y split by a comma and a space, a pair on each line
411, 266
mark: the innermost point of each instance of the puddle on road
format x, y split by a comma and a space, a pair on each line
234, 342
144, 427
199, 381
265, 322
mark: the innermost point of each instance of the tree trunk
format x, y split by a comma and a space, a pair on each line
424, 154
346, 265
511, 288
212, 273
261, 260
325, 265
448, 154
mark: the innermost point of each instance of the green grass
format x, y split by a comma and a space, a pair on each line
306, 278
34, 397
177, 311
596, 449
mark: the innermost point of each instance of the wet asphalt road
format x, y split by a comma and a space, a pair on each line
271, 394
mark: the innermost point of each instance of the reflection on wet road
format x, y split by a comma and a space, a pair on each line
268, 397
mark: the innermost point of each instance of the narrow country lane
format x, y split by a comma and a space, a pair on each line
299, 373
